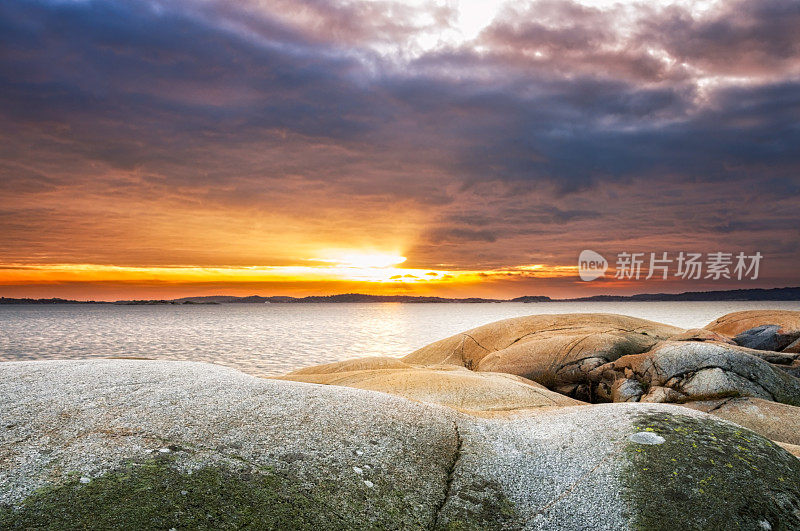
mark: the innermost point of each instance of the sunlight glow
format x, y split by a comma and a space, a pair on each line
364, 260
357, 268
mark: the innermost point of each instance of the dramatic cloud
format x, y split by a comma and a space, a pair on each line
143, 133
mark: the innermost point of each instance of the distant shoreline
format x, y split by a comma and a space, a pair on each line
758, 294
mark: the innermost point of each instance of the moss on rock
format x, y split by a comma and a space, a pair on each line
157, 494
709, 475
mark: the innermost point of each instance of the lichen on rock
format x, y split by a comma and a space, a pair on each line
709, 475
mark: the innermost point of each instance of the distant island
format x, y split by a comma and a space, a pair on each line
757, 294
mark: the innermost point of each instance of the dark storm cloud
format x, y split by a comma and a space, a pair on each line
158, 74
565, 110
584, 132
744, 36
514, 135
134, 83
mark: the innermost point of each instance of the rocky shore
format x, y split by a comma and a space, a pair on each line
579, 421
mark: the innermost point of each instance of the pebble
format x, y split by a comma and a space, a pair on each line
85, 480
646, 437
368, 483
357, 470
359, 452
164, 450
184, 492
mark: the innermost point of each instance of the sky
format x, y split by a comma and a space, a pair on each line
159, 149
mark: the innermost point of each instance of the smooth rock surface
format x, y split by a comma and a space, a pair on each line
357, 364
450, 386
645, 437
793, 449
735, 323
779, 422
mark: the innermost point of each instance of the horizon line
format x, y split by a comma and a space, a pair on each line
543, 298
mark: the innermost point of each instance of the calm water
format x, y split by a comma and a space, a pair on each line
270, 339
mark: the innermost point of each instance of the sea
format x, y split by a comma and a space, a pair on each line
272, 339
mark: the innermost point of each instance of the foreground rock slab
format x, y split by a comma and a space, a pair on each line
147, 444
317, 455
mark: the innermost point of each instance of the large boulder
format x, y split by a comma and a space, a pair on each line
150, 444
557, 351
681, 371
779, 422
735, 323
450, 386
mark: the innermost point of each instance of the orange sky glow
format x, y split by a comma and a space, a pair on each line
370, 273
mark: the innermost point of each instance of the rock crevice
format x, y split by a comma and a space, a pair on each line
451, 472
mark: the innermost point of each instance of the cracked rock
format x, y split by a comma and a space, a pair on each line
658, 394
698, 370
626, 390
766, 337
